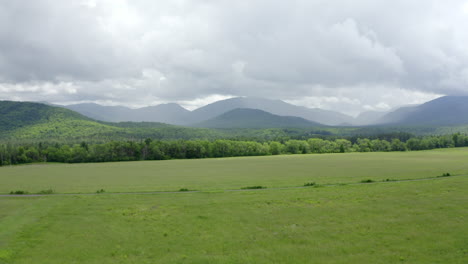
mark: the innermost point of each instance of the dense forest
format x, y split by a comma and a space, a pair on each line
149, 149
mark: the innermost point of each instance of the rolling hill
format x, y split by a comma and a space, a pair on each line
254, 118
20, 114
37, 121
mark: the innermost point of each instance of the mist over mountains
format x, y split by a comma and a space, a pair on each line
175, 114
39, 121
448, 110
165, 113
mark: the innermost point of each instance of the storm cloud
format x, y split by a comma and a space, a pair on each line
348, 56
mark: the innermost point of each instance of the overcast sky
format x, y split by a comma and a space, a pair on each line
348, 56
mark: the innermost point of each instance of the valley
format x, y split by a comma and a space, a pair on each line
232, 132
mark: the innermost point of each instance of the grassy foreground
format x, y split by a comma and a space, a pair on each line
386, 222
232, 173
396, 222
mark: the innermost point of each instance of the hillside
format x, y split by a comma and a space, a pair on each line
15, 115
21, 121
443, 111
25, 120
254, 118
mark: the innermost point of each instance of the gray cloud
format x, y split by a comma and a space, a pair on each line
349, 56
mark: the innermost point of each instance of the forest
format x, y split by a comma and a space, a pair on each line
149, 149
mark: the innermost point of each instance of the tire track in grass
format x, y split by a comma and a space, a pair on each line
239, 190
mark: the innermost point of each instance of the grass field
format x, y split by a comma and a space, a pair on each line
384, 222
232, 173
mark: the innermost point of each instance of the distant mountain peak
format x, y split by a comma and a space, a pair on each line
254, 118
166, 106
277, 107
446, 110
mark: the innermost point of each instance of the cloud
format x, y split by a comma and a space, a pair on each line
354, 100
329, 55
341, 55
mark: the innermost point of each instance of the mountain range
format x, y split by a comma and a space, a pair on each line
175, 114
447, 110
28, 120
230, 113
276, 107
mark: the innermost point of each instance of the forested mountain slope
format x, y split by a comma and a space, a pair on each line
35, 121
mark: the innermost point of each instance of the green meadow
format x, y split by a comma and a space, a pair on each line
232, 173
339, 221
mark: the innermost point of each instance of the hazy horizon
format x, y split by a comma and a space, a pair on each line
192, 108
210, 102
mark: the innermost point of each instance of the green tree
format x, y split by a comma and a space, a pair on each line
397, 145
276, 148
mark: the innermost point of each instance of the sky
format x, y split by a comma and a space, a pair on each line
347, 56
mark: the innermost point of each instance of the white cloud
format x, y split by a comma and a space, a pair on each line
44, 89
354, 100
465, 8
88, 3
199, 102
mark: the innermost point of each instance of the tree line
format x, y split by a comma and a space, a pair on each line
150, 149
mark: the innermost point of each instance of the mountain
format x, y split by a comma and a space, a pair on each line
254, 118
164, 113
276, 107
443, 111
448, 110
177, 115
